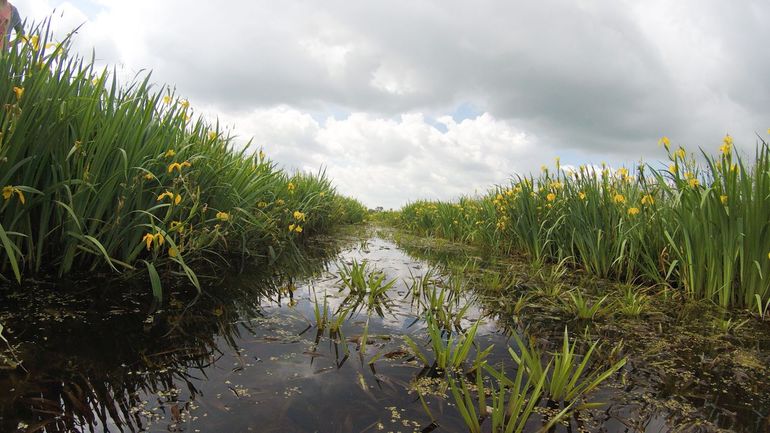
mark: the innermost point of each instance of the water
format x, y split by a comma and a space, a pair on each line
247, 357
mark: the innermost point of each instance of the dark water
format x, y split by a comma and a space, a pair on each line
247, 357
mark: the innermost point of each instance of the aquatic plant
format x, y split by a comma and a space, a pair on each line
632, 303
570, 378
762, 310
367, 286
698, 227
125, 178
582, 308
511, 405
450, 351
442, 302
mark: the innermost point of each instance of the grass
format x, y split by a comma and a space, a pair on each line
96, 176
698, 224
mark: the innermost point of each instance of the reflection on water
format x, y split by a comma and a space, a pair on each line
247, 356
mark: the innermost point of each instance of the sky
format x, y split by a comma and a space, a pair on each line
401, 100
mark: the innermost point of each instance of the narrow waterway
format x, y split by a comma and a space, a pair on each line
248, 356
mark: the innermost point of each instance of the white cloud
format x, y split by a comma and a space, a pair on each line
387, 162
367, 89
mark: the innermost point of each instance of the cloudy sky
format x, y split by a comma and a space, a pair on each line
403, 99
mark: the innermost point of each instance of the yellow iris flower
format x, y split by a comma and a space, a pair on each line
19, 91
223, 216
9, 191
178, 166
157, 239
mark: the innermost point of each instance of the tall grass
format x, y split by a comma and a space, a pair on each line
98, 175
701, 224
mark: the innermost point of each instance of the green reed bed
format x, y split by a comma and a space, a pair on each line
97, 175
701, 224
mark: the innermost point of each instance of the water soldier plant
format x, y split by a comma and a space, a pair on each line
96, 175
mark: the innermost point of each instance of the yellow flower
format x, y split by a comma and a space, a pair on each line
298, 229
322, 194
680, 153
9, 191
212, 135
177, 226
280, 202
633, 211
727, 144
693, 182
619, 198
291, 227
665, 142
262, 204
223, 216
261, 155
556, 185
177, 199
177, 166
168, 194
672, 168
19, 91
290, 186
723, 199
185, 104
550, 197
167, 99
149, 176
299, 216
170, 153
543, 168
173, 252
582, 195
647, 199
147, 239
623, 173
734, 167
35, 41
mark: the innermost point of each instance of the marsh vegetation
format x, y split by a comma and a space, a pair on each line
154, 278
